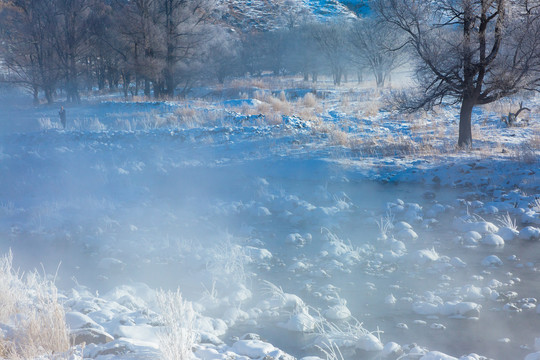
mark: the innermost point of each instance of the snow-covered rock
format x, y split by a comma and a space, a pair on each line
437, 355
529, 233
407, 235
391, 350
492, 240
300, 322
492, 260
471, 237
337, 312
483, 227
255, 349
77, 320
369, 342
507, 233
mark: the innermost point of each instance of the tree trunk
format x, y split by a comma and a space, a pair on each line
146, 87
36, 95
49, 95
465, 129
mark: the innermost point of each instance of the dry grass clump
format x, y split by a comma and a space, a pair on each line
309, 100
339, 137
30, 307
384, 145
534, 142
177, 336
526, 153
280, 105
370, 108
248, 82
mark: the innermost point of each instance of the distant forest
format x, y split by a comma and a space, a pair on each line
162, 48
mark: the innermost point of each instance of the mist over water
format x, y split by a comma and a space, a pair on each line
161, 207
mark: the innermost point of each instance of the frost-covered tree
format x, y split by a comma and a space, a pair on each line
470, 52
373, 47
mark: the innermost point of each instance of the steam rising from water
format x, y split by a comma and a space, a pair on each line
170, 210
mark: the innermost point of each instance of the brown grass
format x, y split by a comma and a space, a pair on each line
30, 304
309, 100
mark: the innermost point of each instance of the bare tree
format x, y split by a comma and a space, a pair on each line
470, 52
375, 46
222, 56
28, 53
71, 41
183, 35
139, 40
331, 40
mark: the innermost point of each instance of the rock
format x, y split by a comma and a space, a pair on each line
254, 349
391, 350
488, 209
257, 254
437, 355
295, 239
124, 346
337, 312
492, 260
429, 195
507, 233
369, 342
407, 235
208, 354
492, 240
530, 233
471, 238
436, 210
437, 326
425, 308
483, 227
90, 336
250, 336
77, 320
300, 322
402, 225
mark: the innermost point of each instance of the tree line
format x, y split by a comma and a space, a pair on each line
163, 47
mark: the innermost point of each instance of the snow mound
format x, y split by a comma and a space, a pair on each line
529, 233
255, 349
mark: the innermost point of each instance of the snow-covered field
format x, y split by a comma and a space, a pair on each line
259, 226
